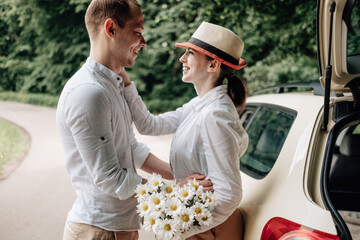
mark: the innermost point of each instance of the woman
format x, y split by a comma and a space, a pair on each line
209, 138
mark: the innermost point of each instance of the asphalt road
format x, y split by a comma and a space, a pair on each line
35, 198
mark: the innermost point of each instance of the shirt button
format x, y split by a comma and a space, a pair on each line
102, 138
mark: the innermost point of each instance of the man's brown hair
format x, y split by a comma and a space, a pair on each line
100, 10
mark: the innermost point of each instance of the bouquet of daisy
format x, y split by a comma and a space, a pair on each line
170, 210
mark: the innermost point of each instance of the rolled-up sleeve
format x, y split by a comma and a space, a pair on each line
141, 152
87, 112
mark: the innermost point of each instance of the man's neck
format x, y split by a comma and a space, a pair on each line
102, 55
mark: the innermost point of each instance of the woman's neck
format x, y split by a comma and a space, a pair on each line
205, 85
202, 89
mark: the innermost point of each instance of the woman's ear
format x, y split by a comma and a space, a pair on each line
109, 27
214, 66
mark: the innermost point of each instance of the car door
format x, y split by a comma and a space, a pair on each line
338, 34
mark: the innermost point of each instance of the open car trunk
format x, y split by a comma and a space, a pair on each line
338, 33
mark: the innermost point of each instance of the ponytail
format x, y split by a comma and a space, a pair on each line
236, 87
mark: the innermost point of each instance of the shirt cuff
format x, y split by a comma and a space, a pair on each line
130, 91
128, 187
141, 152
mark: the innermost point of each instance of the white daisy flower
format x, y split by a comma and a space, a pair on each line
156, 201
155, 181
143, 208
173, 206
156, 213
209, 199
149, 222
169, 188
205, 217
200, 198
186, 193
198, 209
142, 191
197, 187
166, 229
185, 219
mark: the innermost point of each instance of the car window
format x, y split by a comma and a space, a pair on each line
267, 128
353, 39
247, 114
354, 30
357, 130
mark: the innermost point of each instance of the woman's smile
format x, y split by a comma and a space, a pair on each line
185, 69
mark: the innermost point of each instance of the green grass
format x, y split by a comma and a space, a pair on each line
30, 98
13, 143
46, 100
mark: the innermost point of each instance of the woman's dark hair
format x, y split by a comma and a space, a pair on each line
236, 87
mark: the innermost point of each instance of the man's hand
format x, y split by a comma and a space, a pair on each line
143, 181
206, 183
125, 77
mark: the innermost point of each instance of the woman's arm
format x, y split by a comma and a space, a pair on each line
154, 164
145, 122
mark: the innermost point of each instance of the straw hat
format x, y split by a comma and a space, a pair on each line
217, 42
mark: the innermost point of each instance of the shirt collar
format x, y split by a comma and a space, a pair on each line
105, 72
210, 96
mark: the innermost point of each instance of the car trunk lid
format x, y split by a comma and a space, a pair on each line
333, 31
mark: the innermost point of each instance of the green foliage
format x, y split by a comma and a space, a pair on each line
273, 34
354, 31
289, 70
30, 98
44, 42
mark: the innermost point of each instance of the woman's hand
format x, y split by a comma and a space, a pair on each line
125, 77
200, 178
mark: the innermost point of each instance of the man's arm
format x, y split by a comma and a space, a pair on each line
154, 164
87, 112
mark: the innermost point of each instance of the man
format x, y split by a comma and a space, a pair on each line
94, 124
95, 127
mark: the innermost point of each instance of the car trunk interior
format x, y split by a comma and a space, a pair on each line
344, 178
340, 179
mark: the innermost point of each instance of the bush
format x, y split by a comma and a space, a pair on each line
33, 98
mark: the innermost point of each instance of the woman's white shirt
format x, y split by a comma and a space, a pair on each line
209, 139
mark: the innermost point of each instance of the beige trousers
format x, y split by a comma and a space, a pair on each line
231, 229
80, 231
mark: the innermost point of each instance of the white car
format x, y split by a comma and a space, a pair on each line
301, 171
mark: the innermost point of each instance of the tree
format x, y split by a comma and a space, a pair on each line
43, 43
47, 43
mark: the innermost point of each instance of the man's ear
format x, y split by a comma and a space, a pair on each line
214, 66
109, 27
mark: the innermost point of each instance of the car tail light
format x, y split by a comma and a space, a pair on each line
281, 229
